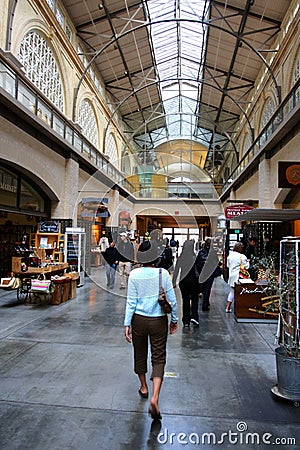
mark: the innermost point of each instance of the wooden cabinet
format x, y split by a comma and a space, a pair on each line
251, 303
48, 246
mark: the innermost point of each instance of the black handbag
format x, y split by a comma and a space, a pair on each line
162, 297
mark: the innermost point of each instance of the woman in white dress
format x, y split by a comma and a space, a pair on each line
234, 261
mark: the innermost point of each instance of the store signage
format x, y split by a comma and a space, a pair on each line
92, 207
256, 290
8, 187
288, 174
49, 227
236, 210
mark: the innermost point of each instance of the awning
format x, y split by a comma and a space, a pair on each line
269, 215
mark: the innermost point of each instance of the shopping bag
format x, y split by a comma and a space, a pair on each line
42, 286
243, 273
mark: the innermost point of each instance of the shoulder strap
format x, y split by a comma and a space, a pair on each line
160, 280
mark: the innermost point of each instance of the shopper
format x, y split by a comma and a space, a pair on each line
111, 256
166, 258
126, 258
207, 262
234, 261
186, 269
251, 254
103, 244
145, 319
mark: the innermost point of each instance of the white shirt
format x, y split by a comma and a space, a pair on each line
234, 260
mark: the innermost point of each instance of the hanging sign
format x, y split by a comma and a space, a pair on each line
235, 210
288, 174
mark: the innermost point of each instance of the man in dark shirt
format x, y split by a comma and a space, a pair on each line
111, 256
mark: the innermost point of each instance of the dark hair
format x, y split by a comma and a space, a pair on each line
147, 253
238, 247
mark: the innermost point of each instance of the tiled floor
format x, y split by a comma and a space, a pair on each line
67, 381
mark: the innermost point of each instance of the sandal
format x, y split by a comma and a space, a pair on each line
155, 415
143, 394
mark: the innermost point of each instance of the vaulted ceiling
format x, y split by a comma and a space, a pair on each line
179, 69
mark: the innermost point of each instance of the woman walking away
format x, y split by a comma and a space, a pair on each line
144, 318
234, 260
188, 284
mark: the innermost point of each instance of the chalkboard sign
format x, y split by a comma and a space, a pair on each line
49, 226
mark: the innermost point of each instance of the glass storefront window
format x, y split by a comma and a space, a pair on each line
30, 200
8, 188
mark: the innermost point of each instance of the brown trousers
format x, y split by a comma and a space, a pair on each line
156, 328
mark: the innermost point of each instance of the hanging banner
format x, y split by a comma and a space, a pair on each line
235, 210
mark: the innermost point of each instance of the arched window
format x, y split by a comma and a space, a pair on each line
268, 111
87, 121
246, 144
40, 66
111, 148
296, 74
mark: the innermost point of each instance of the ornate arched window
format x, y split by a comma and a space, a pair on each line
296, 73
268, 111
247, 143
87, 121
111, 148
40, 66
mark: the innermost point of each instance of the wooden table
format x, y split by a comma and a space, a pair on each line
47, 272
24, 291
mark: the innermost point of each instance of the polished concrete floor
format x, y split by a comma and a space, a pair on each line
67, 381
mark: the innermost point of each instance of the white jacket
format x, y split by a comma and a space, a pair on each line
234, 260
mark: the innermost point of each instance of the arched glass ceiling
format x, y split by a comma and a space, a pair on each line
179, 68
178, 49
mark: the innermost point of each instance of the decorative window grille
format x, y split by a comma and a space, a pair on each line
268, 111
40, 66
59, 16
51, 4
297, 69
111, 148
68, 32
87, 121
247, 143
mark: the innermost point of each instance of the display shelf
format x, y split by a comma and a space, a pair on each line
290, 291
49, 246
74, 250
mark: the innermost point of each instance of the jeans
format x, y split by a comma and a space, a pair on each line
110, 275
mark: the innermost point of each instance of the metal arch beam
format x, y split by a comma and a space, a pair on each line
122, 56
171, 79
147, 24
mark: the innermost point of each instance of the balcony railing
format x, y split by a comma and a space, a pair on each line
16, 84
283, 112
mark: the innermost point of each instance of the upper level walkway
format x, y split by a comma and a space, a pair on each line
67, 379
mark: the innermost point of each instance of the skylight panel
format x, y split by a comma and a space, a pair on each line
178, 49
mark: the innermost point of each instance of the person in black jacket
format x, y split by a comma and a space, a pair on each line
188, 284
207, 262
166, 258
111, 256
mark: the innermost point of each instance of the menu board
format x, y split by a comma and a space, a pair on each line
49, 226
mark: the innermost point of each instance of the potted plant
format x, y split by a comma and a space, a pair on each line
288, 333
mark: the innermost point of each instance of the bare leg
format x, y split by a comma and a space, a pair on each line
144, 386
157, 381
